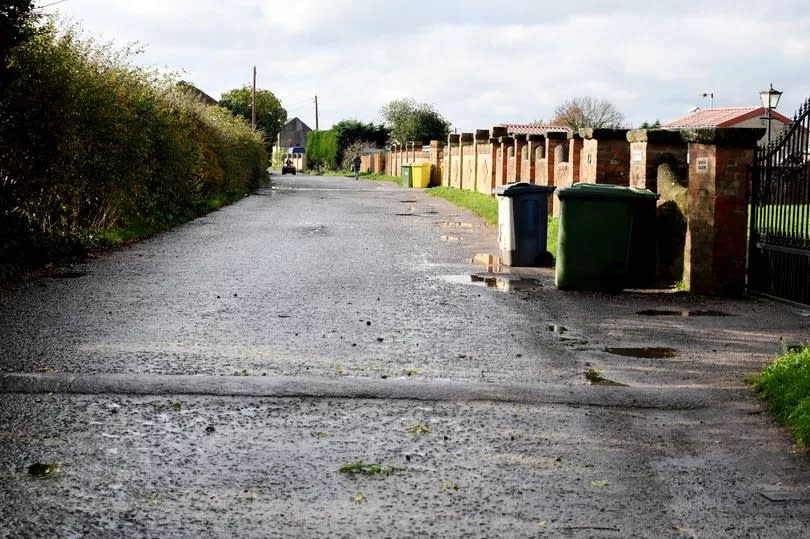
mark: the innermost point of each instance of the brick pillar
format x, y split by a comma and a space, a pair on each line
452, 140
605, 156
574, 157
556, 146
479, 149
533, 141
517, 172
436, 160
650, 148
502, 170
466, 162
719, 166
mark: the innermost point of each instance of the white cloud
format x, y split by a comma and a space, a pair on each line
479, 63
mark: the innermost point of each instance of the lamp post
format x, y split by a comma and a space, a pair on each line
770, 99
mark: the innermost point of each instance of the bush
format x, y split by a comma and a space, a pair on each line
89, 142
785, 383
322, 149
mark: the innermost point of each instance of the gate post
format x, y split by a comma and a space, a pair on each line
720, 161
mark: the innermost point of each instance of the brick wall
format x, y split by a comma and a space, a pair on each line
605, 156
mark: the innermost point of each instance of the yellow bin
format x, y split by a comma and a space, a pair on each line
420, 174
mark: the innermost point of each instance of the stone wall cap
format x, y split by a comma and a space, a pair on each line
536, 138
506, 140
498, 131
655, 136
744, 137
521, 137
603, 134
453, 137
467, 137
482, 134
557, 135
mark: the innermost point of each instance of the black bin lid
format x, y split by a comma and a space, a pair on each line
522, 188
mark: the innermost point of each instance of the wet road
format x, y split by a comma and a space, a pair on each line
342, 318
314, 276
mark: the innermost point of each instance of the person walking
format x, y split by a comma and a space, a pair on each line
356, 167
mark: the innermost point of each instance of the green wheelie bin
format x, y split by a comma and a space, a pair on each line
407, 180
605, 243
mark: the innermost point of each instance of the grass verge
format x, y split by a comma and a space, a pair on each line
785, 384
33, 254
486, 207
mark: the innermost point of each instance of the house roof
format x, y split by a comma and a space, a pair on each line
533, 129
297, 119
723, 117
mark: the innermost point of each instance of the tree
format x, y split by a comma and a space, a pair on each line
270, 115
349, 132
580, 112
412, 121
655, 125
17, 18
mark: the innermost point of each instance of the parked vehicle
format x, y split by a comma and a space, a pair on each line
288, 167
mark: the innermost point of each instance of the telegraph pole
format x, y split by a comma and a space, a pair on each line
316, 113
253, 105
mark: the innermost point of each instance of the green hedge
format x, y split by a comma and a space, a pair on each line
89, 142
322, 149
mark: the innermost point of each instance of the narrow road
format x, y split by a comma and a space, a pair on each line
214, 380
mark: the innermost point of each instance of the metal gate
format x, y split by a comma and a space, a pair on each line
779, 248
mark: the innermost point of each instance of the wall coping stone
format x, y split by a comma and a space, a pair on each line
603, 134
498, 131
481, 134
536, 138
745, 137
506, 140
656, 136
519, 137
453, 138
557, 135
467, 137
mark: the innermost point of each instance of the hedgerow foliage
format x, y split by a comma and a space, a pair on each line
322, 149
88, 142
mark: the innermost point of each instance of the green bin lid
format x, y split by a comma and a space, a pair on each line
520, 188
605, 191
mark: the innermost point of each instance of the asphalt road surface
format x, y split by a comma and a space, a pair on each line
215, 379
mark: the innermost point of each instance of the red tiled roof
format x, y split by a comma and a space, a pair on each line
723, 117
533, 129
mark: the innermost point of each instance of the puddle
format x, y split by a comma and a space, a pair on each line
451, 238
649, 352
504, 284
699, 312
494, 264
68, 275
554, 328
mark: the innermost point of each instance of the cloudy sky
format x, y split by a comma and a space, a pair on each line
478, 62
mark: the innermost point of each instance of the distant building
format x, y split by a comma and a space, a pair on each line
754, 117
293, 134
